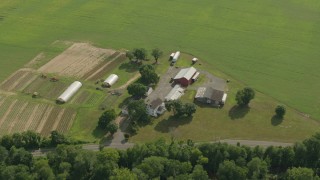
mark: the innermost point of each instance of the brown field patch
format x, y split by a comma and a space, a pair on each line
100, 71
12, 81
77, 60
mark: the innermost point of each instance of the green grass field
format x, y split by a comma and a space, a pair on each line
272, 46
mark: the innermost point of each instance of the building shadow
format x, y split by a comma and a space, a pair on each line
165, 125
238, 112
275, 120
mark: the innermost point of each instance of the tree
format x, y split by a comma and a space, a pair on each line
123, 174
299, 174
229, 170
138, 112
199, 173
148, 74
140, 54
57, 138
244, 96
176, 106
42, 170
280, 111
107, 117
137, 89
112, 128
258, 169
156, 53
129, 55
190, 109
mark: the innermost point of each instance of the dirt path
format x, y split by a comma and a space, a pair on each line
135, 77
2, 119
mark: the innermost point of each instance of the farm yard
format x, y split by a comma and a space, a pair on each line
271, 46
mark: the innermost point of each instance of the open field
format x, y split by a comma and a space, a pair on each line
21, 115
272, 46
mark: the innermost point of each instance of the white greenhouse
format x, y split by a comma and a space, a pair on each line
113, 78
176, 56
69, 92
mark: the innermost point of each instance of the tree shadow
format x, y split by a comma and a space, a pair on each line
98, 132
276, 120
238, 112
165, 125
129, 67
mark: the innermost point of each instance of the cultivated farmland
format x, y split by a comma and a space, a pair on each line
21, 115
77, 60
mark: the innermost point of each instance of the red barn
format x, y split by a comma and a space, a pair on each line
184, 77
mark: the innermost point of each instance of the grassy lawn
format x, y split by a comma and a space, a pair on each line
230, 122
272, 46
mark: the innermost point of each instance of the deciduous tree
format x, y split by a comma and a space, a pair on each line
156, 53
244, 96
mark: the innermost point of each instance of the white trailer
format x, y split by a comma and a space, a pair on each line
69, 92
176, 56
113, 78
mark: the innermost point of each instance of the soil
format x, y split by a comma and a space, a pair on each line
3, 118
77, 60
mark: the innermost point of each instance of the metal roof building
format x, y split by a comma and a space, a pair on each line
210, 95
184, 77
69, 92
175, 93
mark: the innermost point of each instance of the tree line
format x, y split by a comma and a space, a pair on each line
167, 160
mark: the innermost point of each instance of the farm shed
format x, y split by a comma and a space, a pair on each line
156, 108
184, 77
113, 78
176, 56
208, 95
194, 60
69, 92
175, 93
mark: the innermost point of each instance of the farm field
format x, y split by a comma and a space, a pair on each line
272, 46
21, 115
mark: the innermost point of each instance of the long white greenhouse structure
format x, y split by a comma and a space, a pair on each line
69, 92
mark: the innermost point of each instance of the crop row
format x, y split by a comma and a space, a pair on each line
24, 116
7, 85
66, 120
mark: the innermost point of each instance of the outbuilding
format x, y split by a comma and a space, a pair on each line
175, 93
184, 77
113, 78
194, 60
69, 92
209, 95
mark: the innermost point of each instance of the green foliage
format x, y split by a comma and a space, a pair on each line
148, 74
244, 96
138, 112
129, 55
112, 128
107, 117
123, 174
300, 174
156, 53
179, 109
258, 169
140, 54
280, 111
229, 170
199, 173
137, 89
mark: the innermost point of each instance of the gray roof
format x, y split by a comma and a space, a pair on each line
186, 73
210, 93
155, 103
